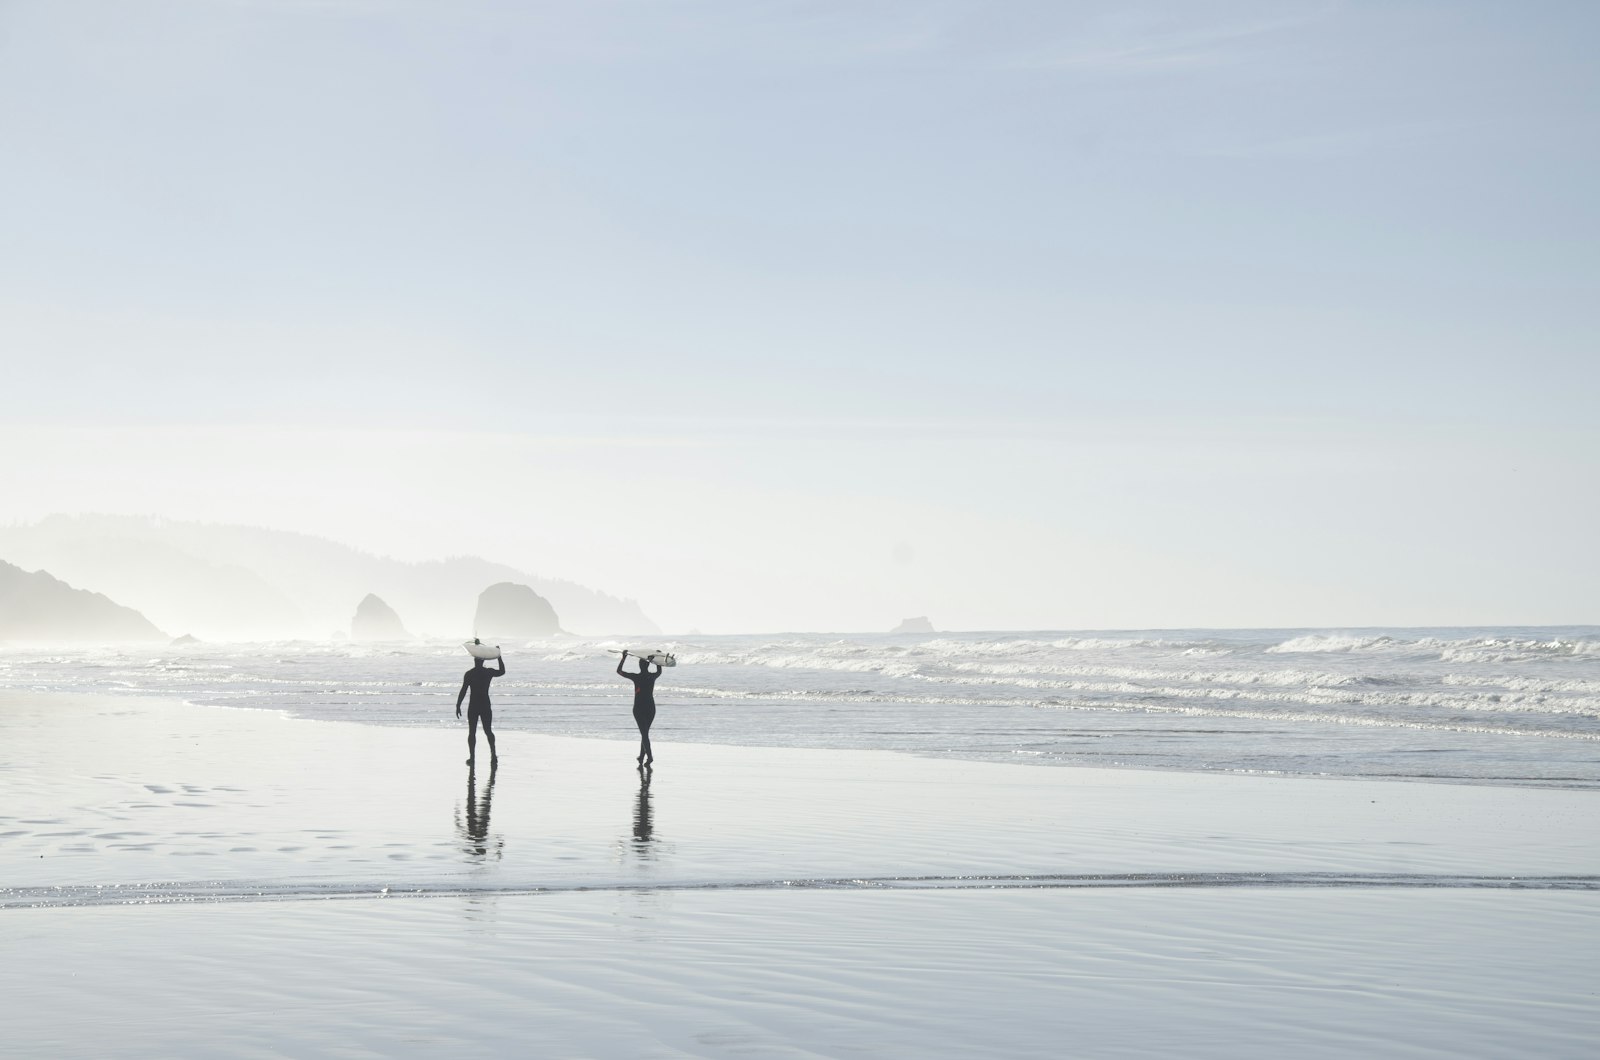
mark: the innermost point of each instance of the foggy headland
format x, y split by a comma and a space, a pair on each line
246, 583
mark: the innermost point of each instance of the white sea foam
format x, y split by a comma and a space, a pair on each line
1318, 642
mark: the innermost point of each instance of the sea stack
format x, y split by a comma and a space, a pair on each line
36, 606
507, 611
920, 624
376, 620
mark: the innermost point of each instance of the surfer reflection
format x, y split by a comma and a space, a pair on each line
476, 681
644, 703
641, 811
474, 828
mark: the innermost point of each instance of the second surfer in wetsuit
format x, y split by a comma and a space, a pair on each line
477, 681
644, 703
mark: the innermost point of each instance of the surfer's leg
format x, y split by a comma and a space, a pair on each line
488, 734
472, 735
643, 720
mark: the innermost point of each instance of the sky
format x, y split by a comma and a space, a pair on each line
817, 316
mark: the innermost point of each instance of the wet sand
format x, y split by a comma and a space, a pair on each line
186, 880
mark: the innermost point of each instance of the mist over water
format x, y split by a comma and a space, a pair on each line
1511, 705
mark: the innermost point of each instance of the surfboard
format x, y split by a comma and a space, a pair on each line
660, 658
478, 650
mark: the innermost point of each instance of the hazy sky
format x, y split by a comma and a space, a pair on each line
820, 315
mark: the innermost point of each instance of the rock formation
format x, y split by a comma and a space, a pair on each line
507, 611
376, 620
920, 624
36, 606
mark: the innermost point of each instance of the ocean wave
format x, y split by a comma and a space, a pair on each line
241, 891
1574, 686
1463, 649
1283, 678
1103, 695
1492, 651
1334, 642
1352, 720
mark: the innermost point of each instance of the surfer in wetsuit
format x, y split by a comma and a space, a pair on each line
477, 681
644, 703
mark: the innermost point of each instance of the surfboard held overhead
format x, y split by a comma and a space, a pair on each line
479, 650
660, 658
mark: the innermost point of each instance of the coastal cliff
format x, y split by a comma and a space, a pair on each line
35, 605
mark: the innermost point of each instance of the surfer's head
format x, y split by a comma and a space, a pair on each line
477, 663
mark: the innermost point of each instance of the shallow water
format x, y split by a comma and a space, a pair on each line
1507, 705
124, 800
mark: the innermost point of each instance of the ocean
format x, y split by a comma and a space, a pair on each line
1517, 706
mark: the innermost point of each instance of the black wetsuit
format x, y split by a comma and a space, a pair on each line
644, 704
477, 681
644, 697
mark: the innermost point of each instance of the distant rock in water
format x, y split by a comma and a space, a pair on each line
507, 610
187, 638
920, 624
376, 620
37, 606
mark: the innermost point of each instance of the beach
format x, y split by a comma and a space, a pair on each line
190, 880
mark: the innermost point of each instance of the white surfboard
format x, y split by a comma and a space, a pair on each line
479, 650
660, 658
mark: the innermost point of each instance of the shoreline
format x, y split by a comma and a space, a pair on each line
1018, 758
183, 880
199, 796
1391, 707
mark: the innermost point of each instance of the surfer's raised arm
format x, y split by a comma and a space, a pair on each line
501, 659
620, 671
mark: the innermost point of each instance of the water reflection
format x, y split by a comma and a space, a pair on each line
643, 855
642, 829
473, 826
